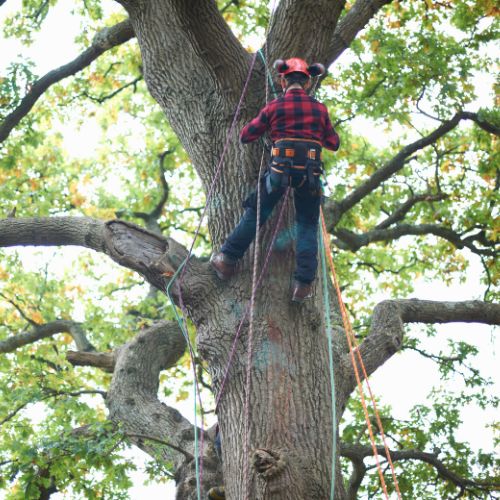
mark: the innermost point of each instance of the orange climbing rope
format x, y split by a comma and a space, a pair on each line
353, 347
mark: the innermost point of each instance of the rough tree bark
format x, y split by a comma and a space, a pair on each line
195, 68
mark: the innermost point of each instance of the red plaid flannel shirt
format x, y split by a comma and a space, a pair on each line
295, 115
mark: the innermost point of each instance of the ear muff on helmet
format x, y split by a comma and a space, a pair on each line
280, 66
316, 69
298, 65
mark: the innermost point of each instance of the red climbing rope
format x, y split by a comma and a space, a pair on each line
353, 347
197, 232
247, 308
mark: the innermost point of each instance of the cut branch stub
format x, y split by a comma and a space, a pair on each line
103, 360
151, 255
268, 463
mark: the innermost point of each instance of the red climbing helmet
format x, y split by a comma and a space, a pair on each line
297, 65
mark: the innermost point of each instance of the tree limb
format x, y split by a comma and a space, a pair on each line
285, 40
347, 239
337, 209
357, 453
39, 332
387, 326
153, 256
488, 126
133, 401
351, 24
405, 207
103, 360
214, 50
468, 311
104, 40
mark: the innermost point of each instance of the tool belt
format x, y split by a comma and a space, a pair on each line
295, 162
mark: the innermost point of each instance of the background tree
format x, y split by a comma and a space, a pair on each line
421, 204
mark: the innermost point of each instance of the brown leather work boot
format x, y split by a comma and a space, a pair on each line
301, 291
224, 265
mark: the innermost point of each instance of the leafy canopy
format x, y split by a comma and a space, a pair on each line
415, 64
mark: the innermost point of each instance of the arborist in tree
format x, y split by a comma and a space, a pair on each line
299, 126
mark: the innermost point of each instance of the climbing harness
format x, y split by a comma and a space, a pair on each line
293, 163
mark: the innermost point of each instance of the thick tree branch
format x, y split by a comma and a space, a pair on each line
387, 326
210, 36
285, 40
488, 126
353, 22
336, 209
358, 453
468, 311
129, 245
39, 332
215, 50
53, 231
405, 207
347, 239
153, 256
104, 40
133, 401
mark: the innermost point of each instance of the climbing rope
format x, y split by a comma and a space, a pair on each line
269, 80
248, 375
247, 308
196, 390
180, 275
353, 347
328, 325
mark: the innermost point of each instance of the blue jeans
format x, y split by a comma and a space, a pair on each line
306, 216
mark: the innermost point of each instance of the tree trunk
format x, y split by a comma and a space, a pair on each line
196, 70
290, 414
